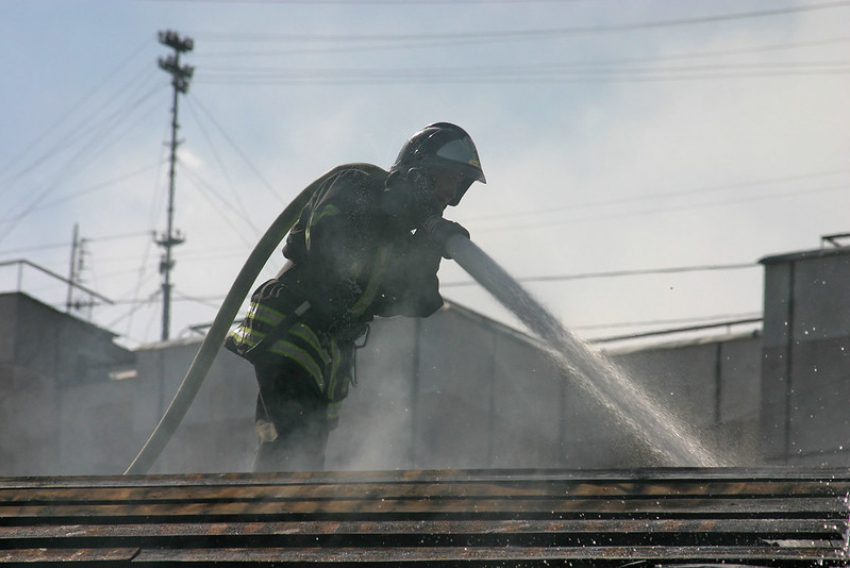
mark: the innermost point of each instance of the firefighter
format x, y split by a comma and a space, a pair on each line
368, 243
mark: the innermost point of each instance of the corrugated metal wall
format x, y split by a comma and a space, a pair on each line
806, 368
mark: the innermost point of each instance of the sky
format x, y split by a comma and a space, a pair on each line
642, 156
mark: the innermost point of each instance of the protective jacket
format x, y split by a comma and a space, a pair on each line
349, 262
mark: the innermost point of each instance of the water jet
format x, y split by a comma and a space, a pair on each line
629, 404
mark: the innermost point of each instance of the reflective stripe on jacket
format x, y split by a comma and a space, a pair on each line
351, 261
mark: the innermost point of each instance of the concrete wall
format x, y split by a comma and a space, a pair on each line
452, 391
806, 369
59, 410
712, 384
217, 433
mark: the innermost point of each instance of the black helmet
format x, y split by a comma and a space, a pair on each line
442, 145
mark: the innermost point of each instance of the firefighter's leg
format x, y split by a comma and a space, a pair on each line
292, 425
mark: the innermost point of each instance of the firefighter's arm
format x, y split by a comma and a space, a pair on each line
337, 241
411, 282
440, 230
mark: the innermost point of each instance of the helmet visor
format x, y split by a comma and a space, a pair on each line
461, 154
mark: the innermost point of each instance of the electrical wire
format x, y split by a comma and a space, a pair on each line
671, 209
688, 329
641, 196
229, 139
712, 320
420, 41
548, 79
156, 203
617, 273
34, 248
76, 106
245, 216
373, 2
205, 190
504, 35
109, 134
78, 131
88, 190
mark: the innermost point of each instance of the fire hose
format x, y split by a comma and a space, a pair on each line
217, 333
477, 264
458, 247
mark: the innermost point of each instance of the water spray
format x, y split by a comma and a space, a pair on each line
629, 403
660, 431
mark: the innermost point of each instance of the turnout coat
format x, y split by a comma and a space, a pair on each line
349, 261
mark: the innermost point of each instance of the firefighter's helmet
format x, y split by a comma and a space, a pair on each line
442, 145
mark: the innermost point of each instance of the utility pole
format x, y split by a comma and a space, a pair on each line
180, 82
76, 266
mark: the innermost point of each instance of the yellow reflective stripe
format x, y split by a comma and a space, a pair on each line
307, 334
328, 210
246, 334
374, 284
245, 337
265, 314
301, 357
332, 380
333, 410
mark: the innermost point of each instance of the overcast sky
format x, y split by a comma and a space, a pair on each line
616, 136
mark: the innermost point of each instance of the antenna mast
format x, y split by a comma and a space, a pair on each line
180, 82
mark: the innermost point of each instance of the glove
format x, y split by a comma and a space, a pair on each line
440, 230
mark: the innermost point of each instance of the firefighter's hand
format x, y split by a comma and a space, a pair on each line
440, 230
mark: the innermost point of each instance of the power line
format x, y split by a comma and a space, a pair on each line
34, 248
65, 244
690, 328
619, 61
375, 2
88, 190
237, 199
459, 42
519, 74
528, 33
667, 194
618, 273
204, 188
78, 131
708, 320
121, 236
242, 154
82, 101
77, 161
382, 42
557, 223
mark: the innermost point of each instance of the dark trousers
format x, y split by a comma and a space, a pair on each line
290, 400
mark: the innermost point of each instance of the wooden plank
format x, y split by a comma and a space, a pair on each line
503, 556
452, 518
577, 490
50, 535
661, 476
65, 555
830, 508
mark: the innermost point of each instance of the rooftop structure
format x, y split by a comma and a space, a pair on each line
458, 518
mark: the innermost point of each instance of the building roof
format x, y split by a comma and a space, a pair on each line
805, 255
443, 517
